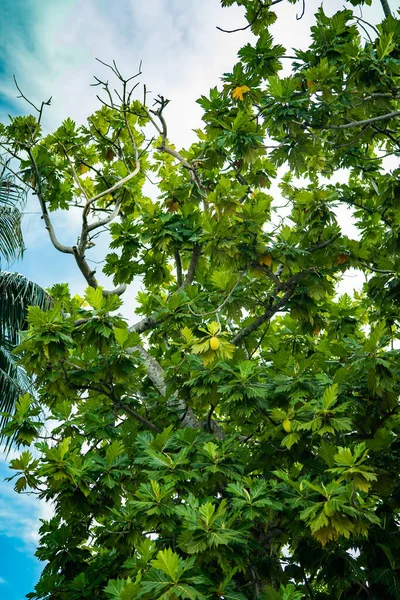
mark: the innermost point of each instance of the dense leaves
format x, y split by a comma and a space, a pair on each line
16, 293
240, 441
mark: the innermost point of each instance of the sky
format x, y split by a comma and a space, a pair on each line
51, 46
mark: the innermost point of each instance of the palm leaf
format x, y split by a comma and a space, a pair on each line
12, 198
13, 383
11, 194
16, 294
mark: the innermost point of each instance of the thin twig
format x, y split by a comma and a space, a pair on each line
298, 18
221, 306
259, 11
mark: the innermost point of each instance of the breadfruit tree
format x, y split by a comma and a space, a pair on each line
240, 438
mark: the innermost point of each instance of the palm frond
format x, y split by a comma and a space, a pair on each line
11, 242
16, 294
11, 194
12, 198
13, 382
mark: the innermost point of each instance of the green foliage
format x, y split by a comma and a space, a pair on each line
240, 441
16, 294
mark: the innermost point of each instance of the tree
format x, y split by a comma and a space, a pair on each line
16, 294
241, 439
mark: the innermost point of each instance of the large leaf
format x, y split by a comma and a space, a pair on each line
12, 198
16, 294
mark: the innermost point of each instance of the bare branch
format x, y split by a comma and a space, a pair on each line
45, 215
105, 220
298, 18
367, 209
145, 324
366, 23
87, 272
390, 115
116, 186
164, 148
121, 289
266, 316
154, 370
375, 270
156, 374
42, 105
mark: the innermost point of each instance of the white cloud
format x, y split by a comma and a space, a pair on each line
20, 515
2, 581
183, 56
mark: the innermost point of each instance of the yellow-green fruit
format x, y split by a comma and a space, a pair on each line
287, 426
214, 343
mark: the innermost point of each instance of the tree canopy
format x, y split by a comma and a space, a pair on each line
240, 439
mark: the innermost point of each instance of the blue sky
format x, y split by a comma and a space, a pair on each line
51, 45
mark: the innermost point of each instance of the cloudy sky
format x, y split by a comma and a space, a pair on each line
50, 46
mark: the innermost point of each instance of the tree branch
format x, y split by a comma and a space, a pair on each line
290, 287
221, 306
375, 270
116, 186
164, 148
298, 18
105, 220
145, 324
74, 173
45, 215
324, 244
178, 263
386, 8
266, 316
85, 269
156, 374
192, 267
270, 274
154, 370
148, 424
390, 115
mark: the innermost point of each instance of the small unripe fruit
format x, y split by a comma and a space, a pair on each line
214, 343
287, 426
